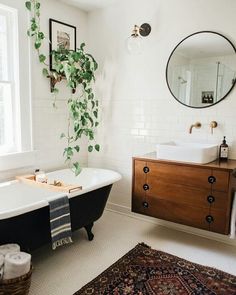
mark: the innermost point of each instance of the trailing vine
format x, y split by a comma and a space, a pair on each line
77, 68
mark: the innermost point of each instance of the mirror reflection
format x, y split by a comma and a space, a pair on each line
201, 69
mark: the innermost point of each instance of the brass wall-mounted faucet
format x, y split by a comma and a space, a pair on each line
196, 125
213, 125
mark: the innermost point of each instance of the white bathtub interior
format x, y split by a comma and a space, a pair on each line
18, 198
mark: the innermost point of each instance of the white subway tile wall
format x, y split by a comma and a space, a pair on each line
138, 110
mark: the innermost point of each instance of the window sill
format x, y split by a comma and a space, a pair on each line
17, 160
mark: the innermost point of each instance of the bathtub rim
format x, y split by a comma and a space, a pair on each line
115, 176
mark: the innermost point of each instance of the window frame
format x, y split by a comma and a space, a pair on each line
12, 80
23, 107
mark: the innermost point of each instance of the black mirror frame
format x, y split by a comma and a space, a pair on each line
173, 53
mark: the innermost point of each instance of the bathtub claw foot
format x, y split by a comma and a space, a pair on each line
89, 231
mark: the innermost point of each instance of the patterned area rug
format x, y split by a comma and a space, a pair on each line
146, 271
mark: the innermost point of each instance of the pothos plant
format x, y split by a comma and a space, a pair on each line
78, 68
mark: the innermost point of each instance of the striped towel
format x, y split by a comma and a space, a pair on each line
60, 222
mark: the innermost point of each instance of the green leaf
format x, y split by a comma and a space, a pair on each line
58, 67
90, 148
68, 152
28, 5
41, 35
79, 134
42, 58
82, 46
67, 68
96, 124
87, 65
77, 148
91, 121
95, 66
76, 168
37, 44
33, 25
97, 147
37, 5
76, 127
95, 114
83, 120
91, 96
45, 72
62, 135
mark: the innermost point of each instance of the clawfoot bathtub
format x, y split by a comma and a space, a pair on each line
24, 210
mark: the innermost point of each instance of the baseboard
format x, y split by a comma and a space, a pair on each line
191, 230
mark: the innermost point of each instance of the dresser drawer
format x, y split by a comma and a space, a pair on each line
203, 218
179, 174
188, 195
177, 193
167, 210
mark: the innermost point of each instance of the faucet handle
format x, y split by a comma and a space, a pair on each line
213, 125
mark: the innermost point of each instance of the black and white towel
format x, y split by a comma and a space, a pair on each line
60, 222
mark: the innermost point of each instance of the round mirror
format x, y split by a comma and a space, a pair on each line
201, 69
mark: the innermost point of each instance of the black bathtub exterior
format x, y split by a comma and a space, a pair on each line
32, 229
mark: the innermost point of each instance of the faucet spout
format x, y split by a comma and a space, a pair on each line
196, 125
191, 128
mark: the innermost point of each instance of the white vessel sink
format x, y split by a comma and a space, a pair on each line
199, 153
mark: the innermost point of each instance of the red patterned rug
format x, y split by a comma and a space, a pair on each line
145, 271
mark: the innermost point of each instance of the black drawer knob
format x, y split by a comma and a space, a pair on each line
211, 199
145, 204
146, 187
146, 169
209, 218
211, 179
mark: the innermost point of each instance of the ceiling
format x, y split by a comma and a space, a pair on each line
89, 5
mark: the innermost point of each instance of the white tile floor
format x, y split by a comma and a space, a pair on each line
66, 270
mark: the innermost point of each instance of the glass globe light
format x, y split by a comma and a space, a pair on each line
135, 42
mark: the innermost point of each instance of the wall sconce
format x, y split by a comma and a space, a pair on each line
134, 42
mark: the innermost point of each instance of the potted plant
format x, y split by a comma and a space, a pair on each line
77, 68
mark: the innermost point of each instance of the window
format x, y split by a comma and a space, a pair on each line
9, 82
15, 88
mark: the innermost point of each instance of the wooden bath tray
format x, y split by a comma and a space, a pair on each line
66, 188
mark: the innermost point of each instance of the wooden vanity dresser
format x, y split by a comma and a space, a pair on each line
198, 195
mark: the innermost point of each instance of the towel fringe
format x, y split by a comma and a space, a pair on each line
61, 242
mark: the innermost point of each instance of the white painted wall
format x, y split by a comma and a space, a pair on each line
48, 123
138, 109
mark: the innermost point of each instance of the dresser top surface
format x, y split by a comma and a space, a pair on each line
224, 165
